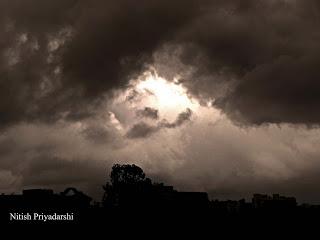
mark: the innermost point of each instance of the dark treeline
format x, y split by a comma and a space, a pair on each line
130, 194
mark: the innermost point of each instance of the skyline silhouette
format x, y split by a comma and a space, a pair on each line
129, 191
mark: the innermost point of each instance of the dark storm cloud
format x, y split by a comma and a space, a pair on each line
132, 95
148, 112
283, 91
105, 42
181, 119
268, 54
59, 57
24, 28
143, 130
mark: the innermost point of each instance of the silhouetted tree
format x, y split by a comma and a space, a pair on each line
126, 174
126, 183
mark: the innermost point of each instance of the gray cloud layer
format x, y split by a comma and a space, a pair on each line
226, 161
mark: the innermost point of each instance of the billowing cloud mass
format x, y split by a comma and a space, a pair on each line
69, 108
143, 129
58, 58
148, 112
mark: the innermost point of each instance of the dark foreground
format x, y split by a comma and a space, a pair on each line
132, 201
73, 208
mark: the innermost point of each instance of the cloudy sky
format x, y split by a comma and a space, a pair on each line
220, 96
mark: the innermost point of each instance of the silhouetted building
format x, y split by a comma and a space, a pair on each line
37, 192
230, 206
74, 198
194, 200
274, 202
155, 196
45, 199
